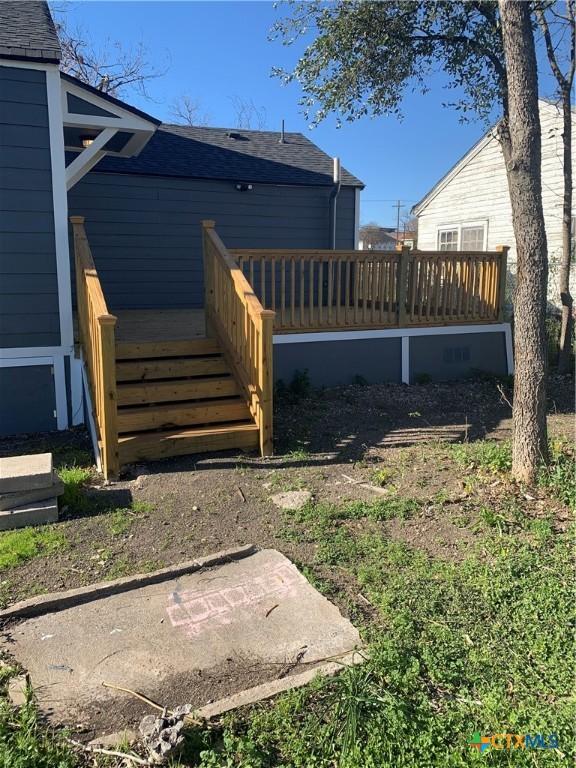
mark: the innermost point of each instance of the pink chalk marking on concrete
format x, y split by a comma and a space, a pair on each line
196, 611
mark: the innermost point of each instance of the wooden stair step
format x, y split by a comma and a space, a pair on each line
142, 393
140, 350
170, 368
158, 445
181, 415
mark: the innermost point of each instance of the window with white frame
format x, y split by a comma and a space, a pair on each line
447, 239
472, 238
462, 237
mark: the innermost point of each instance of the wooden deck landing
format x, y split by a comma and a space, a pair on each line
137, 325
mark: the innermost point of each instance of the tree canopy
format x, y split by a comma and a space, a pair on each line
365, 55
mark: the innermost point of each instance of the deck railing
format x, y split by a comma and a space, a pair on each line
97, 336
313, 290
243, 327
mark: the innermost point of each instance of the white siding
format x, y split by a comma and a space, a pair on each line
479, 192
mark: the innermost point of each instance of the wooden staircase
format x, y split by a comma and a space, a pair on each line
178, 397
156, 398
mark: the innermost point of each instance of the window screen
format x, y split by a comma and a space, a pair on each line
448, 240
472, 239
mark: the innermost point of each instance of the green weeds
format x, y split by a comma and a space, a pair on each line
74, 478
26, 543
458, 647
26, 743
120, 520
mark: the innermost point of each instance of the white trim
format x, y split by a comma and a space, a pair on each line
76, 396
121, 117
25, 362
88, 158
405, 376
357, 218
10, 353
91, 425
61, 394
17, 64
459, 226
509, 348
389, 333
60, 202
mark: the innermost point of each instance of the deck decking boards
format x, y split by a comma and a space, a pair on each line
138, 325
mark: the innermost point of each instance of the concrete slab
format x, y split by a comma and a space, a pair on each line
40, 513
23, 473
243, 626
291, 500
26, 498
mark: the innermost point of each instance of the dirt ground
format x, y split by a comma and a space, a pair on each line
344, 444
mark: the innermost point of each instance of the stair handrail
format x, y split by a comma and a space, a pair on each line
243, 327
96, 326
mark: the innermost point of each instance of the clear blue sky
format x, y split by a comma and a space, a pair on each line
215, 51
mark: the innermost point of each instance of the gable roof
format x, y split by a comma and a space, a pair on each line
452, 172
27, 31
466, 158
106, 97
230, 154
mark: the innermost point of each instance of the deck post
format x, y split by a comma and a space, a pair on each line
503, 250
109, 436
207, 224
267, 382
402, 286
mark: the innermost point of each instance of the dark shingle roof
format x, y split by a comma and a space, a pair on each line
27, 31
230, 154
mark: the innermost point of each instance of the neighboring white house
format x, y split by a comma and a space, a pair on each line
469, 208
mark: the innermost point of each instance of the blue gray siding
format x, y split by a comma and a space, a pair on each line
27, 400
455, 356
441, 357
28, 283
146, 239
330, 363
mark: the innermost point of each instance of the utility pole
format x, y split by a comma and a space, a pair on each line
398, 206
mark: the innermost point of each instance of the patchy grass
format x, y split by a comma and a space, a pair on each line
120, 520
381, 477
24, 742
479, 645
18, 546
486, 455
478, 642
559, 477
75, 478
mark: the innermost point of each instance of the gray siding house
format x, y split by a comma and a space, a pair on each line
211, 262
143, 188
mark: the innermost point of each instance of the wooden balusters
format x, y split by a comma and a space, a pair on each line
377, 289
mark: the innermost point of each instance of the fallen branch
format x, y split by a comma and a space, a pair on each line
109, 752
140, 696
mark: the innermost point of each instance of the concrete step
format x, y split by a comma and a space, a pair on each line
39, 513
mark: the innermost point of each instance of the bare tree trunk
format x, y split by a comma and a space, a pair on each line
564, 358
522, 153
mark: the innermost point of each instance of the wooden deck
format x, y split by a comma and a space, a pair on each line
137, 325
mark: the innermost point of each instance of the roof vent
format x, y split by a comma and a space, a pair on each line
234, 135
